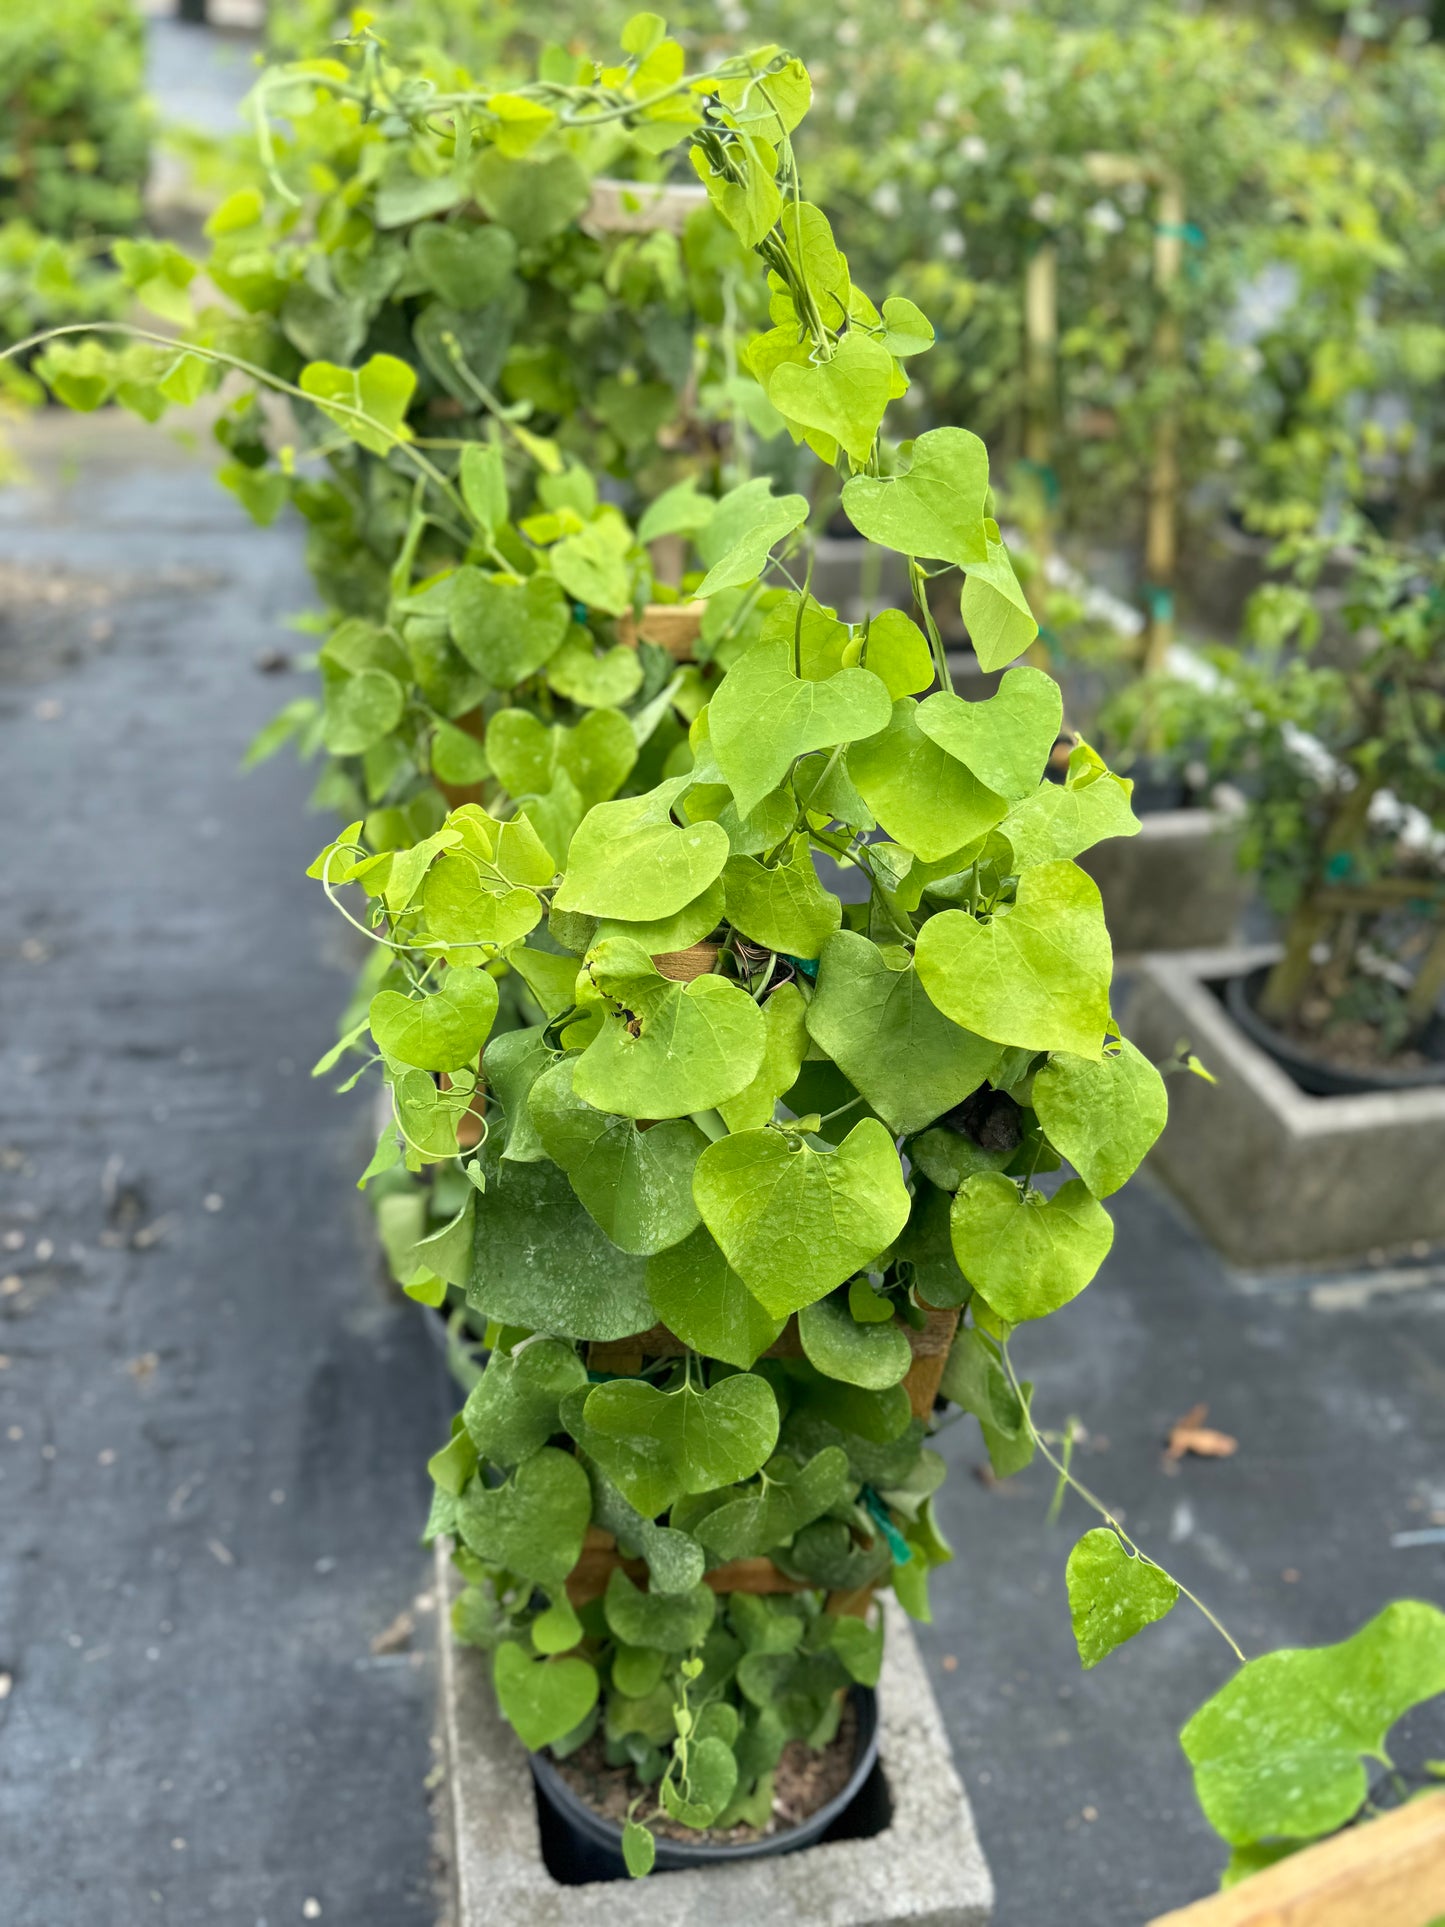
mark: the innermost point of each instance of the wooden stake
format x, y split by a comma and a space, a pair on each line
1162, 532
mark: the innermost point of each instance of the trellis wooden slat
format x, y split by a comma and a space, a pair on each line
624, 1357
1387, 1873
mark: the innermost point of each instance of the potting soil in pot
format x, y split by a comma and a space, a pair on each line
805, 1780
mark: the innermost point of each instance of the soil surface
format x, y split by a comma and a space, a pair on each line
806, 1778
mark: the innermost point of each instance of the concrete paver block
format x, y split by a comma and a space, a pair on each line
1273, 1174
925, 1869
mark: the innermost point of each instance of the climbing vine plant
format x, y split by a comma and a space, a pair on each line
750, 1057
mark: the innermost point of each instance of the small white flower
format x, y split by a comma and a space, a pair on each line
942, 198
885, 200
1250, 359
847, 34
930, 130
938, 39
951, 245
946, 106
1228, 450
1105, 217
1012, 82
846, 105
1043, 207
974, 149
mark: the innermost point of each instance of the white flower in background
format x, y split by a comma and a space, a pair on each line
931, 130
1043, 207
946, 105
1105, 217
1012, 82
1227, 450
885, 200
939, 40
734, 18
846, 105
1250, 359
847, 34
974, 149
942, 198
951, 245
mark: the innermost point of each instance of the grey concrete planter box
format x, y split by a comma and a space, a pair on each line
1274, 1175
1174, 886
926, 1868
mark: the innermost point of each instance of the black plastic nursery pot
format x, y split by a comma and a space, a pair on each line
580, 1845
1318, 1075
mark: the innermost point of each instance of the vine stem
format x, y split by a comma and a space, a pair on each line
220, 359
1067, 1478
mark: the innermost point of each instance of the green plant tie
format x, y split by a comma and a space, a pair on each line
878, 1512
1340, 866
1158, 601
1045, 475
805, 966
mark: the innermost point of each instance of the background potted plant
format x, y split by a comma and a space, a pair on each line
1339, 762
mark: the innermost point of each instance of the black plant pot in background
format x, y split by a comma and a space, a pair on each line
1318, 1075
579, 1845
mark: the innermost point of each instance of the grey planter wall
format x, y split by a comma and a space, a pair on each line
926, 1868
1274, 1175
1174, 886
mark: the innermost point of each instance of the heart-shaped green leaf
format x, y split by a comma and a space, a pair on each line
598, 753
897, 653
784, 908
1276, 1751
1025, 1254
512, 1063
484, 484
1036, 975
675, 1560
764, 716
511, 1411
788, 1498
684, 928
629, 859
466, 266
1000, 622
637, 1184
935, 508
522, 752
466, 906
701, 1298
1006, 740
665, 1049
873, 1017
743, 531
592, 567
1061, 819
542, 1699
1102, 1117
845, 397
360, 711
533, 1523
874, 1356
593, 678
373, 399
794, 1222
683, 1440
786, 1045
541, 1260
712, 1777
925, 798
442, 1031
668, 1622
1112, 1595
906, 328
508, 630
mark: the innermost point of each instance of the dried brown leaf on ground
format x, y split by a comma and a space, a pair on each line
396, 1637
1190, 1435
